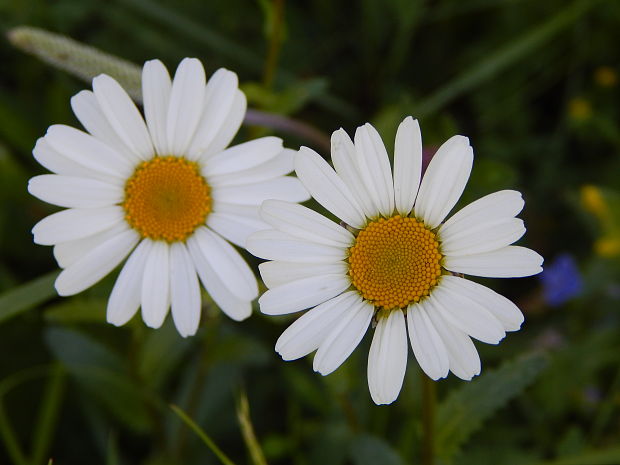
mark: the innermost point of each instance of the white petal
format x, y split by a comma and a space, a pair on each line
279, 273
123, 115
243, 156
184, 291
229, 127
374, 166
235, 228
344, 337
232, 268
67, 253
96, 264
496, 206
76, 223
484, 237
74, 192
327, 188
304, 293
428, 348
58, 163
502, 308
508, 262
309, 331
283, 188
125, 297
387, 360
444, 180
156, 86
407, 164
87, 110
245, 211
464, 358
344, 159
155, 293
276, 245
233, 306
186, 105
279, 165
304, 223
466, 314
220, 95
89, 152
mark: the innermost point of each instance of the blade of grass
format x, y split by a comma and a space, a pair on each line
202, 435
27, 296
44, 431
243, 415
503, 57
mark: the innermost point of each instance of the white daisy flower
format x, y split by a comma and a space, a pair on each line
395, 261
167, 192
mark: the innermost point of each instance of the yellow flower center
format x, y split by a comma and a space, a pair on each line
167, 199
395, 262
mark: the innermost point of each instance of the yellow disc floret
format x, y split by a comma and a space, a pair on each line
167, 199
395, 262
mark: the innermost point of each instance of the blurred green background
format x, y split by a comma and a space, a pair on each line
534, 85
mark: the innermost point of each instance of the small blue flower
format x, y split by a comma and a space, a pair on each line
561, 280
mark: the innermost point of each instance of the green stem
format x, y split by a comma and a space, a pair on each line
429, 401
48, 415
275, 40
247, 429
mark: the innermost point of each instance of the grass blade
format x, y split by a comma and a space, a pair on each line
27, 296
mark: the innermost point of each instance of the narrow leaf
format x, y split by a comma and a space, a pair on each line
27, 296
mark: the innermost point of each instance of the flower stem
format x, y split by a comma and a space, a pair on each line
429, 400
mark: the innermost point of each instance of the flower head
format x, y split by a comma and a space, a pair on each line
163, 190
396, 262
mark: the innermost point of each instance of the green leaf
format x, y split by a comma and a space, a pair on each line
466, 409
609, 456
27, 296
504, 57
370, 450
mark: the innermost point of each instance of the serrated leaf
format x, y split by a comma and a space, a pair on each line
466, 409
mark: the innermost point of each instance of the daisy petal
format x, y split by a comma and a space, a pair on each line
387, 360
96, 264
307, 333
230, 126
304, 293
88, 112
125, 297
464, 358
123, 115
156, 86
493, 207
344, 160
67, 253
243, 156
220, 94
76, 223
508, 262
58, 163
74, 192
503, 309
283, 188
407, 164
428, 348
444, 180
155, 293
327, 188
184, 291
466, 315
276, 245
185, 107
279, 165
481, 238
235, 228
304, 223
231, 267
89, 152
374, 166
344, 337
236, 308
278, 273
